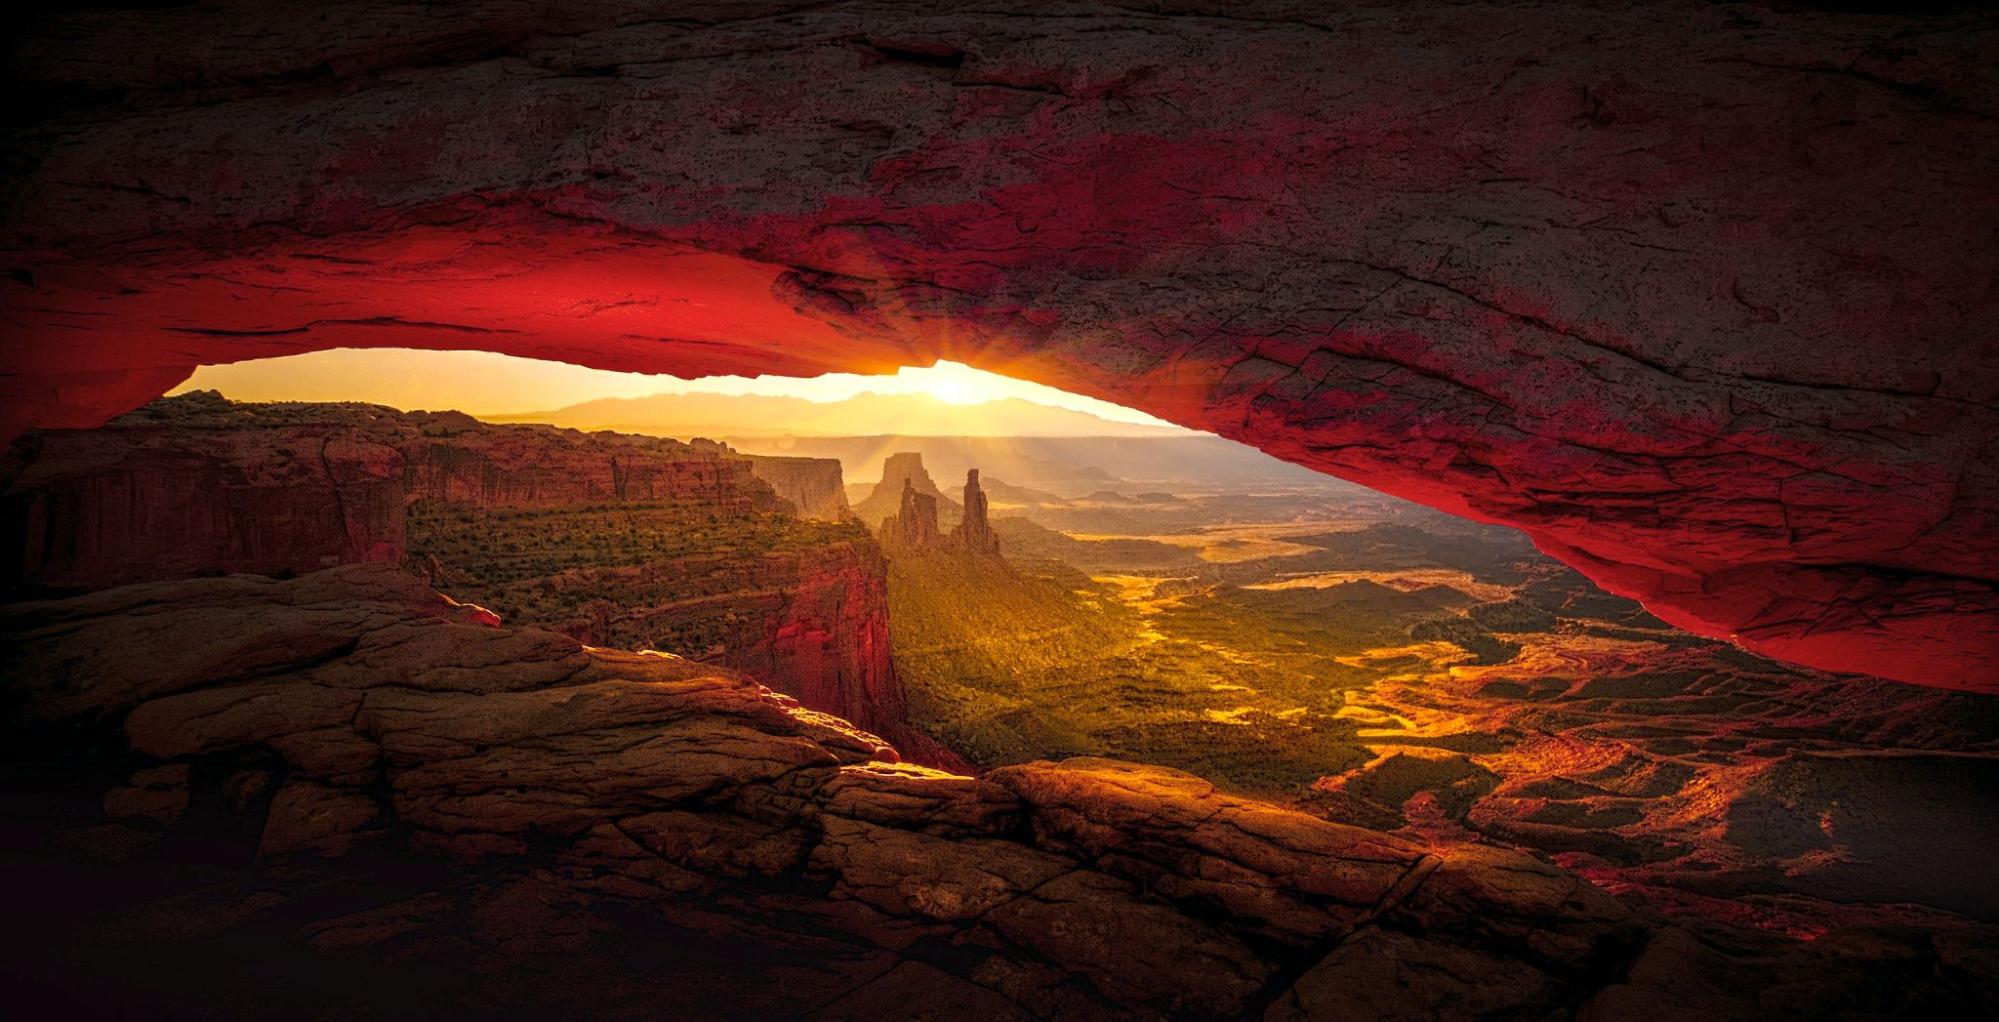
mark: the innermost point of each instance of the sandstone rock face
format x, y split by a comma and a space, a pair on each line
814, 486
199, 486
914, 526
1696, 294
595, 802
88, 509
811, 623
814, 622
974, 534
903, 471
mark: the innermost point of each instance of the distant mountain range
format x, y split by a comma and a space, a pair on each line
1065, 466
718, 415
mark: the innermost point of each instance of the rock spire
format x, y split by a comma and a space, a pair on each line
974, 533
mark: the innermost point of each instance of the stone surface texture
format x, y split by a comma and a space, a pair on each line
1697, 294
196, 485
588, 801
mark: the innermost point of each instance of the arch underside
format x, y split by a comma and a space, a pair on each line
1708, 314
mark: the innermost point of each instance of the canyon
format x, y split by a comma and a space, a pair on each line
1606, 628
1371, 662
632, 542
630, 830
478, 709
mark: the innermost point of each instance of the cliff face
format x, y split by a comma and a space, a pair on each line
814, 486
86, 510
632, 542
586, 802
196, 485
1696, 294
810, 621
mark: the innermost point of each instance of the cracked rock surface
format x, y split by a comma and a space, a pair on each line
1698, 295
603, 831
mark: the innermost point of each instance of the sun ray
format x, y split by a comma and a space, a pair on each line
491, 384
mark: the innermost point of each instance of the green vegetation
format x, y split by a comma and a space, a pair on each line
1023, 537
631, 575
510, 543
1009, 664
1238, 669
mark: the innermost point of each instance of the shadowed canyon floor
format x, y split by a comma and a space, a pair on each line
1275, 749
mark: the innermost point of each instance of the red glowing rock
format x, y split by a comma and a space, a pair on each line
1697, 295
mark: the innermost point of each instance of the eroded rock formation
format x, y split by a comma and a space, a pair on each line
199, 485
615, 540
914, 526
1696, 294
814, 486
974, 534
598, 805
914, 529
903, 471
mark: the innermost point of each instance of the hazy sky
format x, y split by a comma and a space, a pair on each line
484, 383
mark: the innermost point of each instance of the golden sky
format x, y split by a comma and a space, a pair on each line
483, 383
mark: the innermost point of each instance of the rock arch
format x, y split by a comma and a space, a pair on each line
1699, 296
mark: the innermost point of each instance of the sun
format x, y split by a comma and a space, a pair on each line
956, 392
954, 384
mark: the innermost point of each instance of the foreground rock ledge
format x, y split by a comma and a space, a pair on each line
353, 711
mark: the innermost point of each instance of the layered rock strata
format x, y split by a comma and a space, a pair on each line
814, 486
627, 541
1504, 274
199, 485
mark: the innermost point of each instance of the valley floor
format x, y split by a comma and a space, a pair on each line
430, 814
1445, 682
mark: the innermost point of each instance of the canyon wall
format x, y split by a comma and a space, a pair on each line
198, 485
562, 811
809, 620
634, 542
831, 630
814, 486
1696, 294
